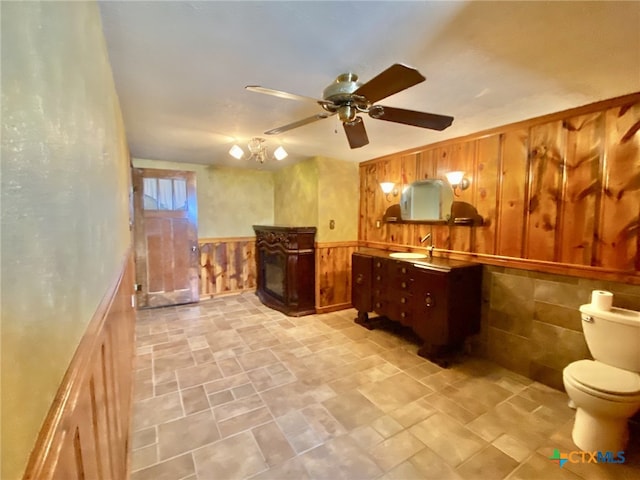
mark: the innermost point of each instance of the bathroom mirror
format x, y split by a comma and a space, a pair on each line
427, 200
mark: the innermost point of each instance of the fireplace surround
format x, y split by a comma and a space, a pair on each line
285, 260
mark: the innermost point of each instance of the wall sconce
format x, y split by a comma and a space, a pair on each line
457, 181
389, 188
258, 151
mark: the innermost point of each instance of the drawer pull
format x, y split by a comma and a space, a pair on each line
403, 300
403, 315
428, 301
404, 270
403, 284
359, 279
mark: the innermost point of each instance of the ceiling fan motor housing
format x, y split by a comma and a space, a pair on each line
342, 87
340, 93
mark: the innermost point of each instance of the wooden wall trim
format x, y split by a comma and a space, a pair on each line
351, 243
551, 117
86, 432
251, 238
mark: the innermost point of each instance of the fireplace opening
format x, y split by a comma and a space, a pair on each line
274, 274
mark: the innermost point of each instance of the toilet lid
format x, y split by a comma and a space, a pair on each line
605, 378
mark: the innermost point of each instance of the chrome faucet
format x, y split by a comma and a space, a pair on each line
430, 247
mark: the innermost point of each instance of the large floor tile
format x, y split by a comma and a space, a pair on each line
231, 390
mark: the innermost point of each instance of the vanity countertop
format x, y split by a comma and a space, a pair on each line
435, 263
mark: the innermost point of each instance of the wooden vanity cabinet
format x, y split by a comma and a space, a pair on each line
361, 288
442, 307
446, 308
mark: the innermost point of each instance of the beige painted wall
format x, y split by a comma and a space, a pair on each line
65, 203
314, 192
338, 200
230, 200
296, 195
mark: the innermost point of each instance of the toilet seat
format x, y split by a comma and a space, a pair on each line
604, 380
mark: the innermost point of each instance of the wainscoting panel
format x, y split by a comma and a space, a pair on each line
333, 275
227, 265
86, 432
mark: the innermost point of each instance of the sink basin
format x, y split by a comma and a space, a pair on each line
410, 255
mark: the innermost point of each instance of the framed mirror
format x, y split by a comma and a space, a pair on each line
427, 201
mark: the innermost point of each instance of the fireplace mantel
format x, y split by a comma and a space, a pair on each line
285, 259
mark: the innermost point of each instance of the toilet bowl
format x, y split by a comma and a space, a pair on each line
605, 397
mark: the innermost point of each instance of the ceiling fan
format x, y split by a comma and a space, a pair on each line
347, 97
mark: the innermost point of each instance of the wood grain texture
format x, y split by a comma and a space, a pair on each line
558, 193
618, 233
86, 433
511, 206
227, 265
485, 199
582, 188
333, 275
546, 164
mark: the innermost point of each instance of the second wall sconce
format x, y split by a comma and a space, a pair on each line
389, 188
457, 181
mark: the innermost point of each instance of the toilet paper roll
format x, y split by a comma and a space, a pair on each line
601, 299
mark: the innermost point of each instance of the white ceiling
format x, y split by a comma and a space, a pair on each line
181, 67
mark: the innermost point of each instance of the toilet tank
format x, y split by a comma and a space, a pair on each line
613, 336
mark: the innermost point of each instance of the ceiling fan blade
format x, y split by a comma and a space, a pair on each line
287, 95
411, 117
299, 123
393, 80
356, 133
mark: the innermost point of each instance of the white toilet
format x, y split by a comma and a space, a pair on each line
606, 390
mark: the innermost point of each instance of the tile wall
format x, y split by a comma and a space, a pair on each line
531, 323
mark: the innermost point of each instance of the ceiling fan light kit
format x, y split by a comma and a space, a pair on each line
259, 151
348, 98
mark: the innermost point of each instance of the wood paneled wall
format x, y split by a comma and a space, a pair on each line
333, 275
86, 432
227, 265
559, 193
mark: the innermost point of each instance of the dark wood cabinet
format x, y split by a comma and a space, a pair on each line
285, 259
440, 303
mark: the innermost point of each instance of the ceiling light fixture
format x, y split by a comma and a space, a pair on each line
259, 151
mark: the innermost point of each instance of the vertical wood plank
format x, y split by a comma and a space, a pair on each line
582, 188
441, 234
546, 163
511, 206
620, 210
486, 192
426, 164
463, 158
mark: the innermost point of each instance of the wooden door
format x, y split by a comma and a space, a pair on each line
166, 237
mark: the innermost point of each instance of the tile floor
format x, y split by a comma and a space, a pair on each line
229, 390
